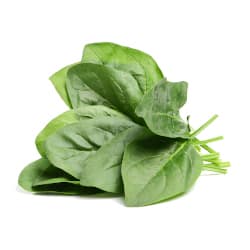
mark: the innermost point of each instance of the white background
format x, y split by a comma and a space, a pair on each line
206, 43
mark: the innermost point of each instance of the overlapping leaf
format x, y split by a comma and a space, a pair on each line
41, 177
94, 84
122, 134
70, 146
160, 109
156, 169
137, 63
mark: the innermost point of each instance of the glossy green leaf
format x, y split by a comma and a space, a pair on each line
80, 93
156, 169
139, 64
90, 112
124, 133
103, 169
95, 84
72, 116
59, 81
160, 109
70, 146
42, 177
60, 121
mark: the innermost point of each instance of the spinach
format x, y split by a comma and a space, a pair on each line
155, 169
41, 177
71, 145
59, 81
139, 64
160, 109
72, 116
94, 84
103, 171
123, 133
90, 112
60, 121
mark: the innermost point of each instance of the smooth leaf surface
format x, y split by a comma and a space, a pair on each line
103, 169
160, 109
139, 64
80, 93
70, 146
41, 177
156, 169
110, 87
59, 81
60, 121
72, 116
90, 112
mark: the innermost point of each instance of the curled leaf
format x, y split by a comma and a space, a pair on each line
160, 109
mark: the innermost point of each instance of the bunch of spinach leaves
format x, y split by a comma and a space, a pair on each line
123, 133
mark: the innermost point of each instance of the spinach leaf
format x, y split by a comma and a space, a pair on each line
59, 81
52, 175
160, 109
66, 188
95, 84
156, 169
123, 134
60, 121
71, 145
41, 177
139, 64
90, 112
72, 116
103, 169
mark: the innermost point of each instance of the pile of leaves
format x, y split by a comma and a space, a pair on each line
122, 133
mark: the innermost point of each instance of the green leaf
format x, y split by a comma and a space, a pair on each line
139, 64
103, 144
59, 81
72, 116
95, 84
90, 112
66, 150
41, 177
70, 146
160, 109
66, 188
156, 169
103, 169
60, 121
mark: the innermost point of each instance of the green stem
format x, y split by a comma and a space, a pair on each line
218, 164
215, 161
225, 164
217, 170
218, 138
217, 167
212, 156
208, 149
205, 125
215, 164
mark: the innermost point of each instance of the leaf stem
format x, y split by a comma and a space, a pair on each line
205, 125
224, 164
212, 156
218, 164
208, 149
218, 138
218, 170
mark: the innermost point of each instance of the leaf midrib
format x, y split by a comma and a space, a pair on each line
163, 166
